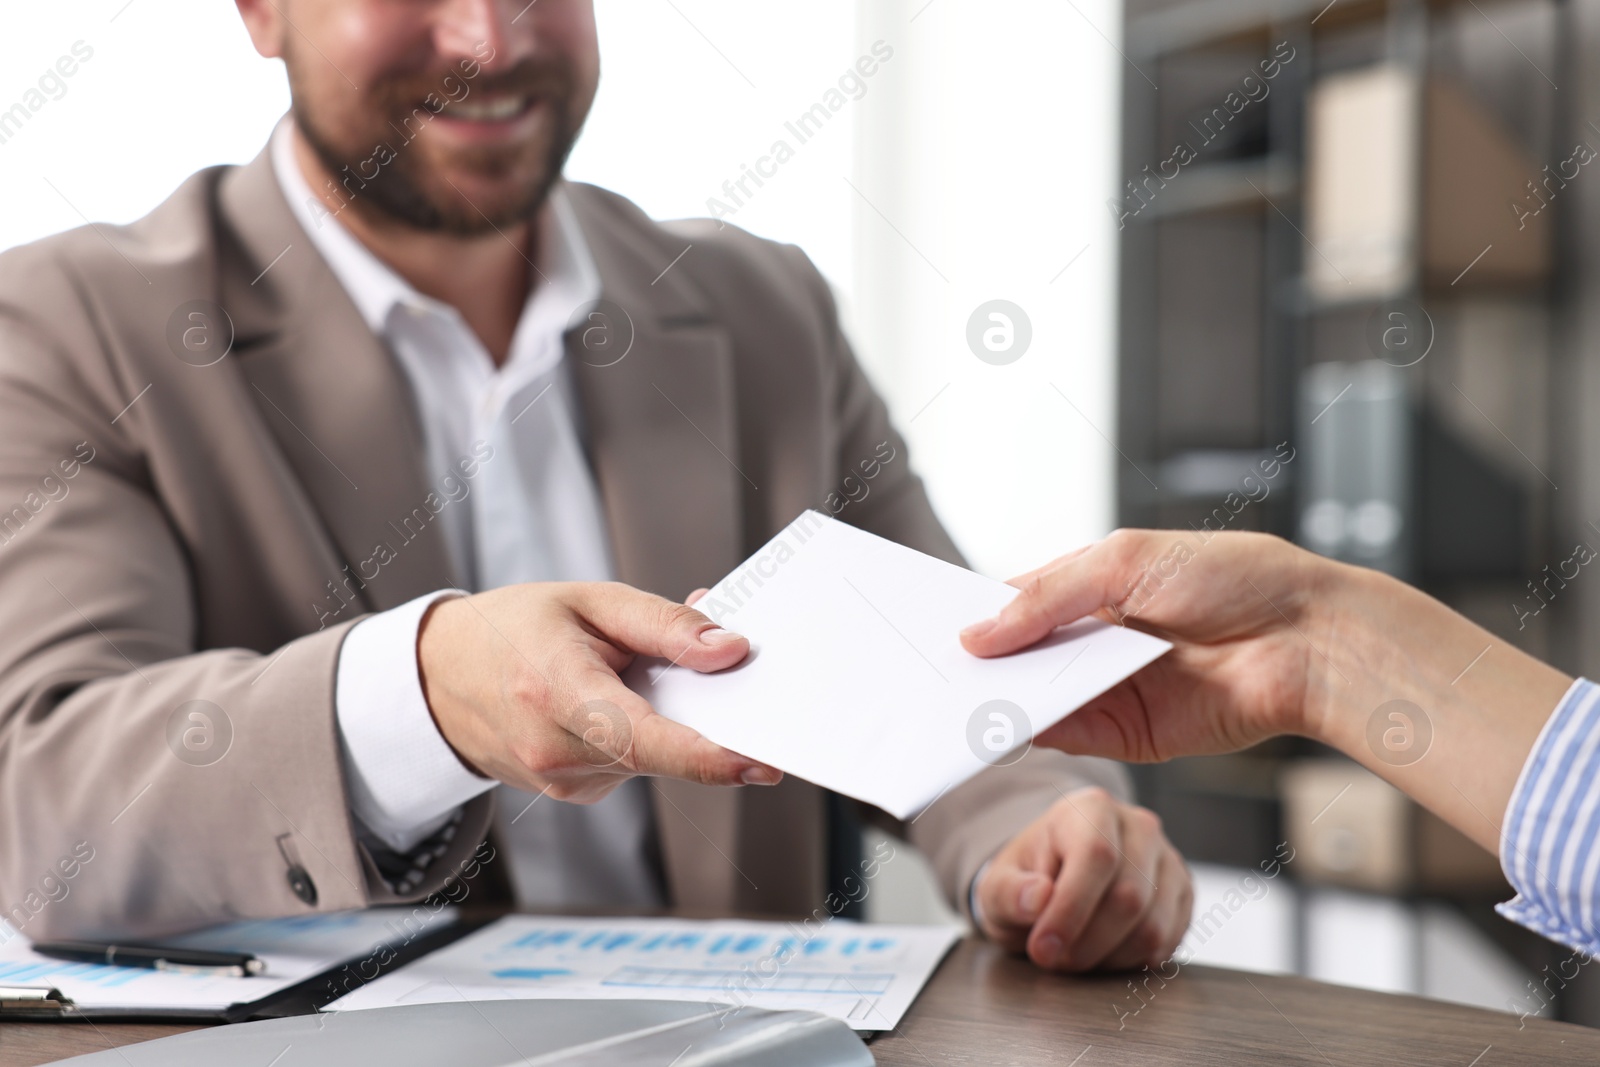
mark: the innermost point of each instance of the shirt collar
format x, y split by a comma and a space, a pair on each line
568, 280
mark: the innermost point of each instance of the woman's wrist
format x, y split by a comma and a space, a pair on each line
1337, 626
1379, 643
1387, 645
1424, 697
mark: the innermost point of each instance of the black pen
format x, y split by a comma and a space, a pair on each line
154, 957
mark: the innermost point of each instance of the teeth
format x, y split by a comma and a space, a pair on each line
497, 110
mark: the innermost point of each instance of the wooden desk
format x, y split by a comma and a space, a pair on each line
986, 1009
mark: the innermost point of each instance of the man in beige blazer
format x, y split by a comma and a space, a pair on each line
261, 605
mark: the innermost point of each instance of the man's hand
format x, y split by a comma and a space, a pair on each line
522, 682
1092, 883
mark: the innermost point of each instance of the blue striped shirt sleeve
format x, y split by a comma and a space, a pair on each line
1550, 843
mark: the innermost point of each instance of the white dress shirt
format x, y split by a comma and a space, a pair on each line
528, 511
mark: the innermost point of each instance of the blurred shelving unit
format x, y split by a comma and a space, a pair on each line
1339, 242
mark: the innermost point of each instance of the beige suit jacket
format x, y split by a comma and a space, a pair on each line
173, 532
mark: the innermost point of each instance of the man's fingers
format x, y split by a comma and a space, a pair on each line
1088, 838
613, 730
1128, 904
654, 626
694, 598
1009, 900
1077, 585
672, 750
1157, 936
617, 735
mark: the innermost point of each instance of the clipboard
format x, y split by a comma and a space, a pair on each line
360, 946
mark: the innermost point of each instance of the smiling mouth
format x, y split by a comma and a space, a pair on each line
492, 108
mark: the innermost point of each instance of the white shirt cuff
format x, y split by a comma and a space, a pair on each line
404, 779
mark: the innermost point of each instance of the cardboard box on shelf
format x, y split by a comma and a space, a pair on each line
1351, 828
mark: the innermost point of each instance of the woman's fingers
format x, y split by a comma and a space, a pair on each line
1096, 578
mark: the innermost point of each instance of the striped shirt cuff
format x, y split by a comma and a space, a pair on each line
1550, 842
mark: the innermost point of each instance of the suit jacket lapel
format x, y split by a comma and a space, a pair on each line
334, 398
655, 379
654, 375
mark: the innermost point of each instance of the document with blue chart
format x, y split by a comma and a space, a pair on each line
864, 974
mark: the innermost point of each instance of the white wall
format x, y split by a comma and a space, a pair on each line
983, 152
993, 158
987, 141
172, 86
676, 116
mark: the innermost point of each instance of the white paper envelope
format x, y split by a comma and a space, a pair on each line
857, 680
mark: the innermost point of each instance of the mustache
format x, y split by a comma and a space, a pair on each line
545, 76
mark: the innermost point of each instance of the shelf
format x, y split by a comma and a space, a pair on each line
1192, 25
1223, 186
1202, 474
1213, 22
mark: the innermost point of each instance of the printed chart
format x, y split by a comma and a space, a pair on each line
866, 975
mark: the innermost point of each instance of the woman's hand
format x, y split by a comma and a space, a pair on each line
1245, 615
1270, 639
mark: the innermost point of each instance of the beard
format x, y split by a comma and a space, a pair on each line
412, 184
